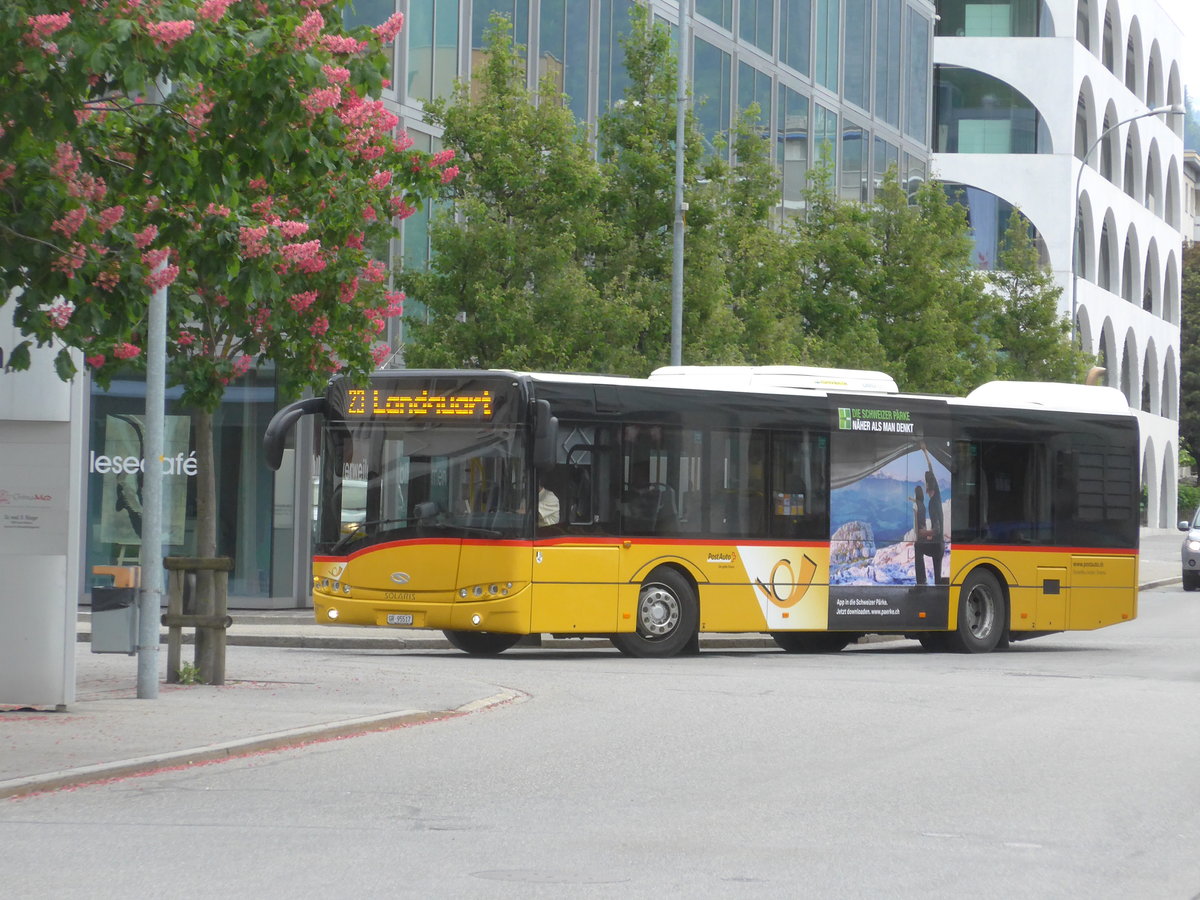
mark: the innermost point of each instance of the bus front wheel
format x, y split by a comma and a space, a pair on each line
668, 616
981, 614
481, 643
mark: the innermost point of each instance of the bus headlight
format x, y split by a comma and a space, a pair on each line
332, 613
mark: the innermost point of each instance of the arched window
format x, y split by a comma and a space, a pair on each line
1104, 259
1082, 142
1108, 47
1083, 24
977, 113
988, 218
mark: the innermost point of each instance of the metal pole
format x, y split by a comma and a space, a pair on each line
1175, 110
150, 598
680, 205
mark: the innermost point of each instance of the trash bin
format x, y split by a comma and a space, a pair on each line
114, 620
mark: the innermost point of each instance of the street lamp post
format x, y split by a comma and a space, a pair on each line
1174, 110
680, 204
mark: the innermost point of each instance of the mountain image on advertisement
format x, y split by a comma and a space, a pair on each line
883, 501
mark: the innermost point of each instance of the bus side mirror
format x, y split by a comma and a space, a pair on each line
545, 435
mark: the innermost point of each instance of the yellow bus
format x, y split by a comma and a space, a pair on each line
813, 505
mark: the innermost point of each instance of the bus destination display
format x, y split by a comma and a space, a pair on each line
474, 406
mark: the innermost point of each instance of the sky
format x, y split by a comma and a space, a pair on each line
1187, 14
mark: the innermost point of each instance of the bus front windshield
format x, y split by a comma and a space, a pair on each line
385, 482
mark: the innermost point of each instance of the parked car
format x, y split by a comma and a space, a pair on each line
1190, 553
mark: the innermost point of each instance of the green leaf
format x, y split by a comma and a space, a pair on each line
64, 365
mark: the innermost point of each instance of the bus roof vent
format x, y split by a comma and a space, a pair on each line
1051, 395
810, 378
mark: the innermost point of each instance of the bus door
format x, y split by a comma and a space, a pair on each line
576, 551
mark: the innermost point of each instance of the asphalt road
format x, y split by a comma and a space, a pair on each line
1063, 767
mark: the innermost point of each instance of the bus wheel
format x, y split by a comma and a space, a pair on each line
981, 614
668, 616
812, 641
481, 643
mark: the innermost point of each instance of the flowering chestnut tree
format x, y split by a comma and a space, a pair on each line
235, 152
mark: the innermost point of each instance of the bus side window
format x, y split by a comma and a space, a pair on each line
799, 484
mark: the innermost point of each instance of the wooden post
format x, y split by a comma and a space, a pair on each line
210, 619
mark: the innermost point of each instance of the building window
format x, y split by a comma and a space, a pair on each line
1083, 25
916, 79
825, 134
614, 24
853, 180
432, 30
793, 143
990, 18
856, 80
718, 11
887, 158
887, 61
563, 38
712, 87
795, 35
757, 23
978, 113
755, 87
827, 43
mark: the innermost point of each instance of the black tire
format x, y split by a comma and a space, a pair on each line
982, 614
481, 643
1191, 581
812, 641
668, 616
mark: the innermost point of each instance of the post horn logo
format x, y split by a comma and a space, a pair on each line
795, 584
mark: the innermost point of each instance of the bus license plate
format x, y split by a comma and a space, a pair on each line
399, 618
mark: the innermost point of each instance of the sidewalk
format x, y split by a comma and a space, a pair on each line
275, 697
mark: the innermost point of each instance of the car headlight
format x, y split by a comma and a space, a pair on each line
1194, 546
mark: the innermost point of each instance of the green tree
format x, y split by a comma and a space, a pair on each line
1031, 337
509, 283
235, 151
637, 152
1189, 351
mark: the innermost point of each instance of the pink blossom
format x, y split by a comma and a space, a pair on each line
401, 209
322, 99
110, 217
319, 327
402, 142
7, 172
449, 174
292, 230
212, 10
108, 279
355, 241
161, 278
60, 315
186, 339
241, 364
126, 351
144, 237
388, 30
379, 353
380, 180
66, 162
95, 361
213, 210
167, 34
347, 291
375, 271
395, 305
253, 242
301, 302
69, 223
335, 43
369, 214
441, 158
336, 74
374, 320
41, 27
297, 252
307, 31
155, 258
69, 262
257, 184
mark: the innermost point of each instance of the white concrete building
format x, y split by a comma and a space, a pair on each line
1032, 106
1191, 196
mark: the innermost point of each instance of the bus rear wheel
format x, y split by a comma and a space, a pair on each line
981, 615
812, 641
668, 616
481, 643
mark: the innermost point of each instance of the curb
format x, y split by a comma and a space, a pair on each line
102, 773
